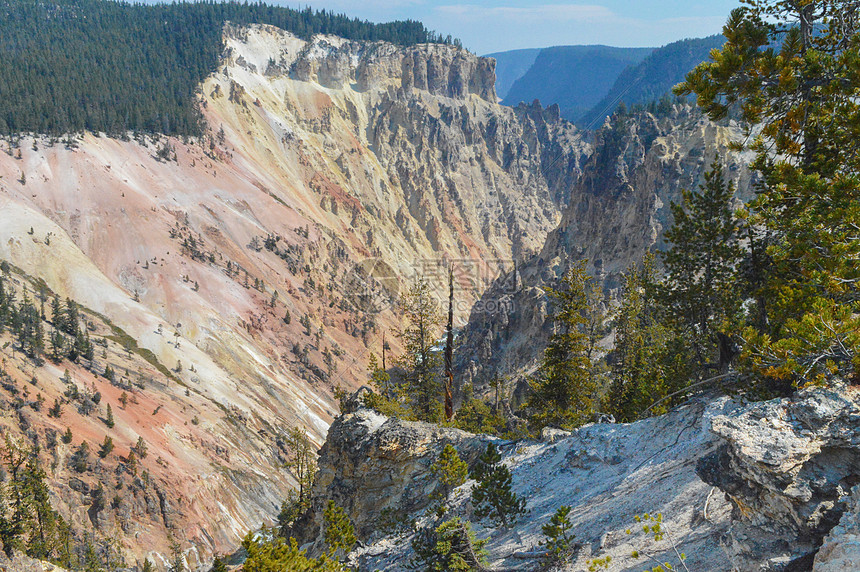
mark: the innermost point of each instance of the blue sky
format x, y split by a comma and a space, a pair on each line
487, 26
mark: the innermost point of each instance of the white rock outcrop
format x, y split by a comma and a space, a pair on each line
741, 487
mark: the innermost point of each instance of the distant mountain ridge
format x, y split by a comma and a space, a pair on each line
574, 77
511, 66
589, 82
653, 77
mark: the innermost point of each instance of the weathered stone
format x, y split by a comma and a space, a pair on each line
841, 549
740, 487
371, 464
787, 466
551, 434
607, 473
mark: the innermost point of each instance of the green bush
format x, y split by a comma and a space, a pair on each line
279, 555
559, 541
338, 532
450, 547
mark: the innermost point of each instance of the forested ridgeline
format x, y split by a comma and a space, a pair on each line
99, 65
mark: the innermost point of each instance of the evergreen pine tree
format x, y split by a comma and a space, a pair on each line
58, 343
338, 531
106, 448
56, 410
420, 361
786, 68
559, 543
57, 318
301, 462
449, 547
131, 461
450, 470
390, 398
18, 500
279, 554
647, 362
89, 350
492, 496
45, 521
81, 458
109, 421
563, 391
28, 522
449, 349
71, 324
700, 292
218, 565
140, 448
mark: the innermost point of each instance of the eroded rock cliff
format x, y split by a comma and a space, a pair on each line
378, 469
618, 209
236, 263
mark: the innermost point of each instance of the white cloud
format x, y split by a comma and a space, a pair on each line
547, 12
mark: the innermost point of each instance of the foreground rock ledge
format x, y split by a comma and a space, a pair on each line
741, 486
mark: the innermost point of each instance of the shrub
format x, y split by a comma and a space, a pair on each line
278, 554
450, 547
559, 540
450, 469
81, 458
339, 533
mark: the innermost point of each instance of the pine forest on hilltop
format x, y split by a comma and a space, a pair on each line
105, 66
